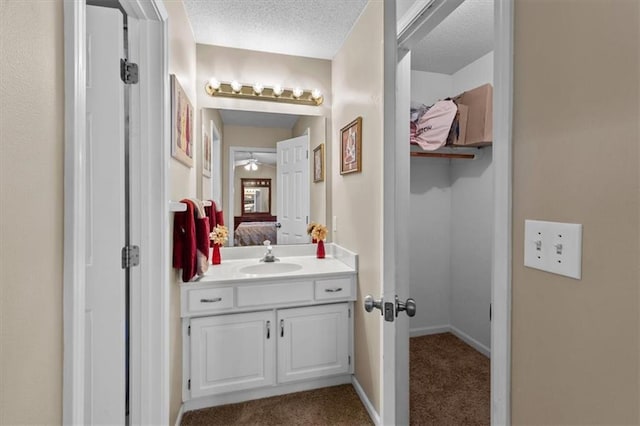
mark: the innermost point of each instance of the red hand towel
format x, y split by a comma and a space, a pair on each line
211, 214
184, 241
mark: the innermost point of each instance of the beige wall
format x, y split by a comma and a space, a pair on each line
575, 343
31, 211
317, 190
240, 136
182, 179
357, 197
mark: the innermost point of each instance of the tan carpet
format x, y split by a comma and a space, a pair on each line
450, 382
337, 405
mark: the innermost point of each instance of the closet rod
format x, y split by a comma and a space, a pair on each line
443, 155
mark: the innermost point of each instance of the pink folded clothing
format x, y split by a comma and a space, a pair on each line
432, 128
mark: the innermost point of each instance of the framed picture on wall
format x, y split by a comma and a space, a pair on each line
351, 147
318, 163
206, 155
181, 124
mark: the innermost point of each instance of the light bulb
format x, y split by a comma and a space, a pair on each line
214, 83
235, 86
297, 92
247, 166
254, 166
277, 90
316, 94
257, 88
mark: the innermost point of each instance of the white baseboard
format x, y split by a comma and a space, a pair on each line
425, 331
251, 394
375, 417
180, 414
471, 342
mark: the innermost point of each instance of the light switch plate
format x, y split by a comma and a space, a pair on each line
553, 247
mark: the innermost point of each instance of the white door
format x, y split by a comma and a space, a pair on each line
293, 190
105, 381
313, 342
232, 352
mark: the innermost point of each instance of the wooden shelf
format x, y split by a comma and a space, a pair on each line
452, 152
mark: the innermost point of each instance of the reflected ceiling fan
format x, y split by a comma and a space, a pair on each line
252, 163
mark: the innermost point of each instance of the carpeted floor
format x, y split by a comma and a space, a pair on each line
337, 405
450, 384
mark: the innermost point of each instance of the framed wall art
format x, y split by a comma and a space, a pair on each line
351, 147
318, 163
181, 124
206, 154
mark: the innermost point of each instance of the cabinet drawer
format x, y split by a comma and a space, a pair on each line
270, 294
339, 288
210, 299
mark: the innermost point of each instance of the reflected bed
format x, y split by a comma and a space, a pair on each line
255, 233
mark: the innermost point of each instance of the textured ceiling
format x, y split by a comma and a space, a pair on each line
464, 36
311, 28
257, 119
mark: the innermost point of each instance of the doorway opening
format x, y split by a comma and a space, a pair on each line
453, 57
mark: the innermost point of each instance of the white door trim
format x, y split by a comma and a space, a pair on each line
150, 304
216, 165
502, 214
502, 206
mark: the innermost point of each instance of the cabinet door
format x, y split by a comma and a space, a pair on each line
232, 352
313, 342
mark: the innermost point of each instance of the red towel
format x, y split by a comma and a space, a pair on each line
184, 241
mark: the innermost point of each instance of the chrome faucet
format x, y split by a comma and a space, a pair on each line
269, 256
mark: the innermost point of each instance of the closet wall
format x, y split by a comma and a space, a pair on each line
451, 224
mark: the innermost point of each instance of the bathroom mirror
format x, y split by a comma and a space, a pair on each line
248, 152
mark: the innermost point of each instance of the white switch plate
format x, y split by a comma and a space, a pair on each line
553, 247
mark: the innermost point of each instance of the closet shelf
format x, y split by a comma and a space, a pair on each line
456, 153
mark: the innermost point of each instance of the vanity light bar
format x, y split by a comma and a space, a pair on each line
258, 92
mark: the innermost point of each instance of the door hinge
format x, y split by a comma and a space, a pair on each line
130, 256
189, 331
349, 312
189, 384
128, 72
307, 154
307, 219
349, 359
490, 312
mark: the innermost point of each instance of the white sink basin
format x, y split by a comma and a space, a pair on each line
270, 268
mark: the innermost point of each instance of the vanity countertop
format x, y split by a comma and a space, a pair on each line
337, 262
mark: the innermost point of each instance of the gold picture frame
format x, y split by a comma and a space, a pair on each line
318, 163
182, 119
351, 147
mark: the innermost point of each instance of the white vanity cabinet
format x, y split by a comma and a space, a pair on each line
232, 352
313, 342
256, 338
